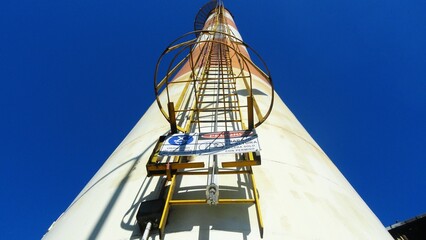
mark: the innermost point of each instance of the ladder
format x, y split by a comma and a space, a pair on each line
210, 102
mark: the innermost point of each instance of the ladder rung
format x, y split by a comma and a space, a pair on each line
210, 83
220, 64
216, 88
212, 121
215, 94
206, 102
219, 78
221, 109
218, 109
219, 60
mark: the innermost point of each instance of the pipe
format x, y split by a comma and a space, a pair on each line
146, 232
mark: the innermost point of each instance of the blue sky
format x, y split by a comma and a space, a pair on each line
77, 75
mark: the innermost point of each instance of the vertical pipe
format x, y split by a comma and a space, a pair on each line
250, 112
146, 232
171, 108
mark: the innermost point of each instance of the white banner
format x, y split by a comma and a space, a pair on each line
210, 143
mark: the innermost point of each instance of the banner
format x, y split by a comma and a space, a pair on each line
210, 143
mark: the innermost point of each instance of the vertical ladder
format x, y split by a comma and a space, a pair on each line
210, 102
217, 108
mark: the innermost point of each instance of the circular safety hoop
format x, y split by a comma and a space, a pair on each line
217, 74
